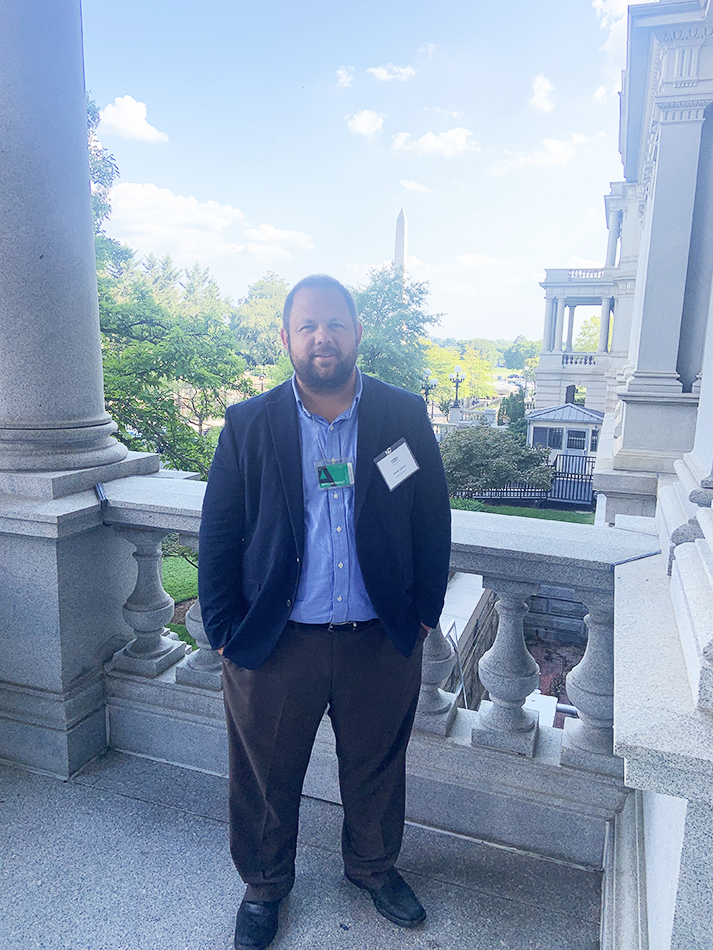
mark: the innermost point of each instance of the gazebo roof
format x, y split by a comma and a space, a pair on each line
569, 412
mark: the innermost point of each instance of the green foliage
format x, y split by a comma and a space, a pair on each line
441, 362
103, 169
257, 319
478, 458
490, 350
169, 367
180, 579
512, 414
544, 514
587, 340
395, 321
519, 351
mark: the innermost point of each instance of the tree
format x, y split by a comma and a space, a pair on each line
521, 350
479, 458
103, 169
441, 361
512, 414
257, 319
395, 321
587, 339
168, 371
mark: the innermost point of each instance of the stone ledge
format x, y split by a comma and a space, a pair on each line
60, 484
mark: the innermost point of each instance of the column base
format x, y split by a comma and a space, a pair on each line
523, 743
149, 666
60, 484
575, 755
437, 721
59, 449
191, 672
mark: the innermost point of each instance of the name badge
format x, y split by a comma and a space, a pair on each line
397, 464
339, 473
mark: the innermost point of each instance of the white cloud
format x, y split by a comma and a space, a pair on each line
451, 144
366, 123
156, 220
428, 48
457, 288
612, 17
451, 112
541, 99
272, 235
600, 94
127, 118
414, 185
481, 262
345, 75
555, 152
583, 263
389, 72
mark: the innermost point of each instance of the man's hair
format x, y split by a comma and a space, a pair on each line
319, 282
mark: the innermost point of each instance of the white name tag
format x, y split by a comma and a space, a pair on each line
396, 464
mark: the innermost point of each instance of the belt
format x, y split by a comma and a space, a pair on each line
335, 627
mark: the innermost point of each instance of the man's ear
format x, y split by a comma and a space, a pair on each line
359, 332
285, 338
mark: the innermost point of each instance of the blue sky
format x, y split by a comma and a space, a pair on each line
286, 136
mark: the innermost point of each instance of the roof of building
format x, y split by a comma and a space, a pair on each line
569, 412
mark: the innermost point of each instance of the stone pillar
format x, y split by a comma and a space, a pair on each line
509, 673
550, 308
603, 346
52, 414
570, 330
436, 709
559, 324
613, 238
203, 667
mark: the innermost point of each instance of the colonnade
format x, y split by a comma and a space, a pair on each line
554, 338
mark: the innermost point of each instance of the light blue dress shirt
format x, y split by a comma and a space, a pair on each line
331, 586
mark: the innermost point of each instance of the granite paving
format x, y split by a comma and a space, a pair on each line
132, 855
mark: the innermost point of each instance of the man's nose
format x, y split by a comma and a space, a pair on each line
323, 335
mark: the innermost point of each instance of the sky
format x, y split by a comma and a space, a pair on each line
282, 136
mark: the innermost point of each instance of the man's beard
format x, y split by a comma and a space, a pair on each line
324, 380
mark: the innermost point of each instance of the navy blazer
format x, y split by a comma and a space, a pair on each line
252, 528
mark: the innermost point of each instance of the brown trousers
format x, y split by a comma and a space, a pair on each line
370, 691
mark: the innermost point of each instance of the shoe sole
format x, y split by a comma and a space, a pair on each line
399, 921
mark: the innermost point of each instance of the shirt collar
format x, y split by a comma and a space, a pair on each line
347, 414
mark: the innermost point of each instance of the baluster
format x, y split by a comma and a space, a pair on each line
588, 741
435, 711
203, 667
510, 674
148, 609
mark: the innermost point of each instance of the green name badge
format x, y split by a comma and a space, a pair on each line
334, 474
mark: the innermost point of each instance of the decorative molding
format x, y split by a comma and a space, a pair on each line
682, 110
692, 33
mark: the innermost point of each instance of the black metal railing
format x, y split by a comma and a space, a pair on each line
572, 477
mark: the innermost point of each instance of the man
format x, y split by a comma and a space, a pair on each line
324, 550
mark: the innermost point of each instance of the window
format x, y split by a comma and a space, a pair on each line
593, 445
576, 439
555, 438
539, 435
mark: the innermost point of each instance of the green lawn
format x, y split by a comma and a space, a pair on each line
548, 514
180, 579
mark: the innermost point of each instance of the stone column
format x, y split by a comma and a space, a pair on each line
52, 414
509, 673
550, 308
603, 346
436, 709
570, 329
559, 324
613, 238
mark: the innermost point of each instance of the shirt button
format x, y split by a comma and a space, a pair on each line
335, 495
339, 599
331, 427
339, 529
340, 564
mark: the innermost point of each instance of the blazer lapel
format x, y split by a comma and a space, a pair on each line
371, 417
284, 428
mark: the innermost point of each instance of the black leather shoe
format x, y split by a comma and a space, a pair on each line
395, 900
256, 924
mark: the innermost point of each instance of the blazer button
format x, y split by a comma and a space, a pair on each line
289, 603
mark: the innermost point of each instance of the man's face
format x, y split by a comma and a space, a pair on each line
323, 340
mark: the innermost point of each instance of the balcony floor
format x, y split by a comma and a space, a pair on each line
133, 855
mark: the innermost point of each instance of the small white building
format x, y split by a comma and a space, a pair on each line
569, 429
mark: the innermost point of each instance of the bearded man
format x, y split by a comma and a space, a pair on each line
324, 550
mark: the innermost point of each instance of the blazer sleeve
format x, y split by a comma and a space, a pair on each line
221, 542
430, 526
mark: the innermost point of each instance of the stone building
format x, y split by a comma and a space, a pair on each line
86, 664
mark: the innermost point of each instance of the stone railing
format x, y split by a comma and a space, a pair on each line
579, 359
513, 555
585, 274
